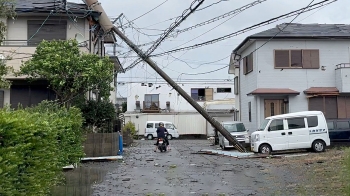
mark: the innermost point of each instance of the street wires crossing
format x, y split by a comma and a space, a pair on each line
230, 13
185, 14
284, 16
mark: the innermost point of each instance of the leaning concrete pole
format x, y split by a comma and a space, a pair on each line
107, 26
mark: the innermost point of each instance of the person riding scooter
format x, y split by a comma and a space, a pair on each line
161, 133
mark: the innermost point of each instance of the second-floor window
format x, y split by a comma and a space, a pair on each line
223, 90
202, 94
248, 64
50, 30
306, 59
151, 101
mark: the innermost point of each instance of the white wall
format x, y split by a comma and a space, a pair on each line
166, 93
192, 123
264, 75
248, 83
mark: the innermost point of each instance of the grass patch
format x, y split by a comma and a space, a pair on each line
347, 170
325, 173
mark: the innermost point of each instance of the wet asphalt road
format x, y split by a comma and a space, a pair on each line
178, 172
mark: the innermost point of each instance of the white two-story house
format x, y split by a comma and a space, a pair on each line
305, 67
49, 20
160, 102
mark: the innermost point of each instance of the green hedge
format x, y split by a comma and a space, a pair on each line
35, 144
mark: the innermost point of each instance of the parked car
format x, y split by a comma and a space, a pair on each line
237, 129
300, 130
151, 129
339, 129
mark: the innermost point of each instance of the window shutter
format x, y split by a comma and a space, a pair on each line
315, 59
331, 107
316, 104
245, 65
208, 94
311, 59
281, 58
296, 58
342, 107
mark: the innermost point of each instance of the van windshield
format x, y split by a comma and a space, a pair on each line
237, 127
263, 124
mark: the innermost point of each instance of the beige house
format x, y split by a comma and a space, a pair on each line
47, 20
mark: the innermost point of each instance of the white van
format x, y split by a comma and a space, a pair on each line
151, 129
236, 129
299, 130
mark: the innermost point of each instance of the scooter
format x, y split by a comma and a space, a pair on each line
162, 145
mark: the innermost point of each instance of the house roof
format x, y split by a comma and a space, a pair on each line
46, 6
322, 90
273, 91
301, 31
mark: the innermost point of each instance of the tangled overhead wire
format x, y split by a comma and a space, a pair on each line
230, 13
284, 16
185, 14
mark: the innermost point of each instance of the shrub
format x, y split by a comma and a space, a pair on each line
36, 143
130, 128
98, 115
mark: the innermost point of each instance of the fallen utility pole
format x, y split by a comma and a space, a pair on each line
108, 26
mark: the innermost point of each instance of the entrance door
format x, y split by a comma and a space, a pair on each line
274, 107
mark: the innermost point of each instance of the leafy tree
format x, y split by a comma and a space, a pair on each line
69, 71
124, 107
97, 113
6, 11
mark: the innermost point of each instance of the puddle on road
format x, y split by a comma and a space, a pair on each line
80, 180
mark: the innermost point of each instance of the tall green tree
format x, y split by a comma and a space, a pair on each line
70, 72
6, 11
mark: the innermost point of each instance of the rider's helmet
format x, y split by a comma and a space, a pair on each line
161, 124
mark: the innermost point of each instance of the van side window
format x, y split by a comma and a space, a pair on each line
343, 125
330, 125
296, 123
169, 126
276, 125
312, 121
149, 125
156, 125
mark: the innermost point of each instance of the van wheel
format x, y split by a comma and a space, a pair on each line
150, 137
318, 146
170, 137
265, 149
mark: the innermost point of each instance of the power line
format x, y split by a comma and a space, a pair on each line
147, 12
185, 14
280, 30
211, 5
233, 12
290, 14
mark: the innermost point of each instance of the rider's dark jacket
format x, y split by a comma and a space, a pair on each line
161, 132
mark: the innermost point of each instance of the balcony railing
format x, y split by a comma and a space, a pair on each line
10, 43
343, 65
151, 107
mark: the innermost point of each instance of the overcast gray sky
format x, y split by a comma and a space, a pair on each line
337, 12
